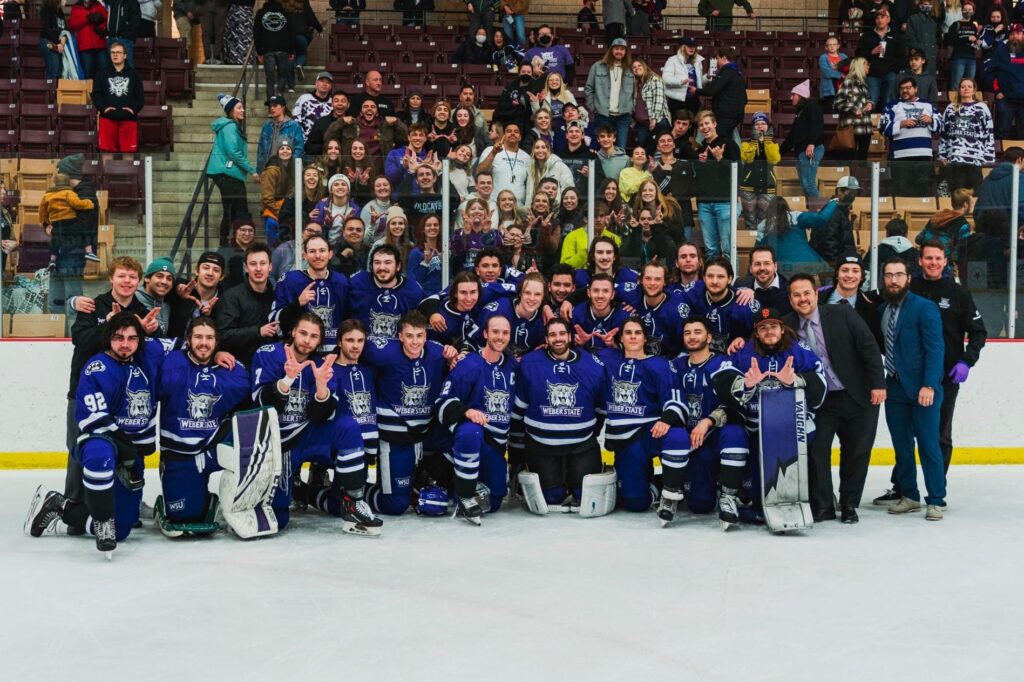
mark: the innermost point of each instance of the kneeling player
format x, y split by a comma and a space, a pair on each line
289, 378
718, 450
643, 420
559, 405
117, 419
475, 405
196, 397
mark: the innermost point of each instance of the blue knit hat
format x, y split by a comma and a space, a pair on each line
760, 117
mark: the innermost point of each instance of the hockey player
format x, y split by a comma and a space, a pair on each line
409, 375
643, 420
598, 321
522, 312
773, 360
293, 378
379, 299
662, 313
196, 397
604, 257
718, 449
559, 407
475, 404
117, 421
688, 268
562, 284
729, 319
454, 321
315, 290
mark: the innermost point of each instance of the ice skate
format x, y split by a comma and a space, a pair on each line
106, 537
728, 510
357, 518
670, 499
470, 510
44, 513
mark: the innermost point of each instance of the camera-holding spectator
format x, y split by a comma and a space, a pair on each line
830, 77
966, 142
806, 137
718, 13
910, 125
683, 69
118, 97
88, 19
757, 177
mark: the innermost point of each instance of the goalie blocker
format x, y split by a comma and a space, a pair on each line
252, 466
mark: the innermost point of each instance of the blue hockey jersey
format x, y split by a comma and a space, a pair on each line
664, 323
117, 399
407, 388
352, 386
639, 393
729, 320
692, 292
476, 384
330, 303
583, 315
380, 308
805, 363
461, 327
558, 402
300, 407
527, 333
696, 390
194, 400
627, 285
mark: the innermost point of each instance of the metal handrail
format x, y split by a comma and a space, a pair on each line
188, 231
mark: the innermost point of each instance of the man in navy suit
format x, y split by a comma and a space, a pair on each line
913, 352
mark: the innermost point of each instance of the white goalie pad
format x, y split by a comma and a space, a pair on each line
252, 469
533, 496
599, 491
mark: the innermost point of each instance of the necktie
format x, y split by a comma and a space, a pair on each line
890, 338
812, 338
843, 301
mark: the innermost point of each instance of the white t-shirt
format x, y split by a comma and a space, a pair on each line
509, 171
615, 76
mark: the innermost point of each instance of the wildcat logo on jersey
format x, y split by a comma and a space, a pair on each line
383, 325
561, 401
684, 310
624, 395
295, 408
360, 404
496, 402
693, 409
200, 412
414, 399
95, 367
755, 305
139, 408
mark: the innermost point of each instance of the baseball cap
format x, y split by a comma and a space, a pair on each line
850, 258
848, 182
211, 257
1017, 28
768, 315
325, 76
688, 41
277, 99
574, 124
619, 42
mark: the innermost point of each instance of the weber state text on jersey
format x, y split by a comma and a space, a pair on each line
558, 402
194, 399
330, 301
407, 388
118, 399
639, 391
293, 410
352, 385
476, 384
380, 308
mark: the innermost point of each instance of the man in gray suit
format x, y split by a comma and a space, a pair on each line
856, 387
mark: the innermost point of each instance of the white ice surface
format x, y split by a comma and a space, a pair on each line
527, 598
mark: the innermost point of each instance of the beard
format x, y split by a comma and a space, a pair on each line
895, 297
1014, 45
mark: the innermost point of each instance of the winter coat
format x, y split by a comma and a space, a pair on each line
950, 228
853, 94
829, 76
615, 11
894, 58
271, 133
831, 230
808, 128
1008, 70
599, 88
239, 316
275, 185
554, 168
966, 136
758, 158
86, 35
230, 155
996, 192
923, 33
676, 75
901, 248
728, 93
124, 20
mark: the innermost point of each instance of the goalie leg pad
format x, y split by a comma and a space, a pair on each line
252, 465
533, 494
599, 492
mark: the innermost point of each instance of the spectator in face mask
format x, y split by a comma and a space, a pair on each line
557, 58
475, 51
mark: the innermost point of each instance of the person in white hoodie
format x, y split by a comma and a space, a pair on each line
545, 164
683, 69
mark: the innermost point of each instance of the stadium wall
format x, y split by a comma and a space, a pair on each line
988, 428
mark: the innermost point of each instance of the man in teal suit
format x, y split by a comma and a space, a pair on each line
913, 351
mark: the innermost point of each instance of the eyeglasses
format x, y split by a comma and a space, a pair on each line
895, 275
245, 229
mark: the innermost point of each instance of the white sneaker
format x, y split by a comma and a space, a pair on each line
905, 505
933, 513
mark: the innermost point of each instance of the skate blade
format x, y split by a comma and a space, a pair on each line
360, 530
726, 525
109, 556
665, 522
33, 509
475, 521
